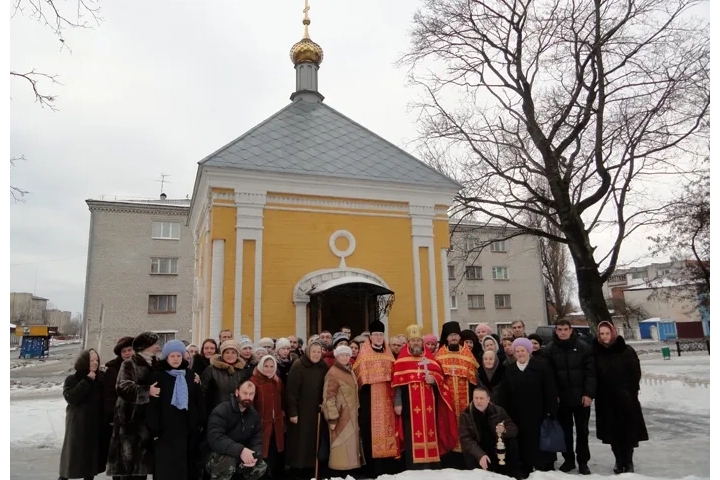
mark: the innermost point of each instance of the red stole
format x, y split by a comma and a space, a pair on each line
428, 441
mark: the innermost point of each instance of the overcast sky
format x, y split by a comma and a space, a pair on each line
154, 89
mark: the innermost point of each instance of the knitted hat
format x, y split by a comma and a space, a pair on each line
145, 340
377, 326
536, 337
343, 350
230, 345
522, 342
173, 346
282, 342
430, 337
266, 342
124, 342
339, 337
244, 342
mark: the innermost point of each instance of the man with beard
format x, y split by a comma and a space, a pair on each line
373, 369
460, 371
427, 425
234, 436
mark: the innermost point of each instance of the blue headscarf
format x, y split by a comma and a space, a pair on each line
180, 391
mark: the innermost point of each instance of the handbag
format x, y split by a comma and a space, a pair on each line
552, 438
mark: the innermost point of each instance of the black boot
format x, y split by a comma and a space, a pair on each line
567, 466
629, 466
583, 469
619, 462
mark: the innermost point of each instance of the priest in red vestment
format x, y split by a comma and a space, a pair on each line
426, 421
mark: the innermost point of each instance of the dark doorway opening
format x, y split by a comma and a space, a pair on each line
350, 304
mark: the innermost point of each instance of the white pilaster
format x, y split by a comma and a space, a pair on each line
216, 286
249, 226
421, 217
445, 283
301, 320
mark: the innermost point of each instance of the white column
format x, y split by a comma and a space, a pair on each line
445, 283
301, 320
421, 217
216, 286
250, 207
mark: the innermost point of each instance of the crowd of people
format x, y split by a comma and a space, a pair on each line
278, 408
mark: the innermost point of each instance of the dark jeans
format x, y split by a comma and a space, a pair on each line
581, 417
512, 465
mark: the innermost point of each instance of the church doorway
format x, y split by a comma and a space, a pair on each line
347, 302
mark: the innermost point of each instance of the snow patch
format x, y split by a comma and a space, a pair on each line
451, 474
37, 423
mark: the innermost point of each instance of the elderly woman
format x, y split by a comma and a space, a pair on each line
131, 443
225, 373
269, 404
529, 395
304, 396
618, 414
340, 406
84, 449
490, 374
268, 344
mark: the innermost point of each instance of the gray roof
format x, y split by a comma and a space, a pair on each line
312, 138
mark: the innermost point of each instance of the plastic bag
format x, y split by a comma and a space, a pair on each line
552, 438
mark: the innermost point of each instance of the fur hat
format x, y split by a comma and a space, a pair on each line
522, 342
230, 345
377, 326
144, 341
173, 346
282, 342
343, 350
124, 342
536, 337
339, 337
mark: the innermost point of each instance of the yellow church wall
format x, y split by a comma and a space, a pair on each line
295, 243
248, 288
222, 226
424, 254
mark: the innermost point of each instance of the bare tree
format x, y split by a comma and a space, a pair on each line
556, 273
75, 326
563, 110
17, 193
628, 312
685, 235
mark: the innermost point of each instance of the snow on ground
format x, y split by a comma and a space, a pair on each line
449, 474
681, 383
37, 423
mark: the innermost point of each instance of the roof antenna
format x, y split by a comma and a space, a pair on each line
162, 185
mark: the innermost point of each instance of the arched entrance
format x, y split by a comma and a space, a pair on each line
331, 298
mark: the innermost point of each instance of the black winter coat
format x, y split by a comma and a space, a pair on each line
85, 446
618, 414
229, 430
573, 364
112, 368
492, 385
199, 364
304, 396
131, 443
176, 432
470, 435
220, 380
283, 367
529, 397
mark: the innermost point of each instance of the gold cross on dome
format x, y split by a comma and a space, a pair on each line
306, 19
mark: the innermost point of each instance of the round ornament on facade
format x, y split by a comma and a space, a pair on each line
342, 254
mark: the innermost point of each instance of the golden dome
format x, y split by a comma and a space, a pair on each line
306, 51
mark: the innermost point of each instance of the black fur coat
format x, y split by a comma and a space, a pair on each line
131, 442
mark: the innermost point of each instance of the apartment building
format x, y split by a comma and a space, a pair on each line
27, 309
139, 271
624, 278
495, 282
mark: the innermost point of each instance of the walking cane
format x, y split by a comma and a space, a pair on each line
317, 447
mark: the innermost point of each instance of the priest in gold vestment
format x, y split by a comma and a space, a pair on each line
460, 376
373, 369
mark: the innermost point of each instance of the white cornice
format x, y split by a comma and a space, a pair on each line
130, 207
336, 203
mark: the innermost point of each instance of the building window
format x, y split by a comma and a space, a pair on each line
500, 273
476, 302
500, 326
166, 230
164, 266
162, 303
473, 273
500, 246
638, 275
471, 243
502, 301
165, 337
617, 278
451, 272
453, 302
